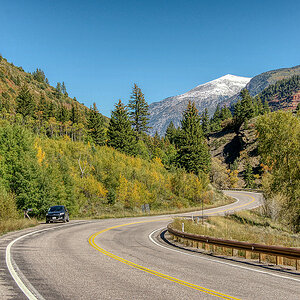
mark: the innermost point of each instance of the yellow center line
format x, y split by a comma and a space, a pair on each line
153, 272
235, 207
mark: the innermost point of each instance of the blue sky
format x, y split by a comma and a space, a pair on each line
100, 48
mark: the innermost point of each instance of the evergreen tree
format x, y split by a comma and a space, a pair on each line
171, 133
39, 75
58, 90
25, 102
215, 122
95, 126
74, 116
193, 152
266, 107
205, 122
64, 89
247, 105
120, 133
225, 113
138, 112
63, 115
43, 107
51, 110
248, 176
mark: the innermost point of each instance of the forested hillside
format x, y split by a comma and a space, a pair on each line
54, 150
282, 94
50, 110
256, 148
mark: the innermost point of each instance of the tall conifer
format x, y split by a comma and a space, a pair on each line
205, 122
25, 102
120, 133
171, 133
138, 112
193, 152
95, 126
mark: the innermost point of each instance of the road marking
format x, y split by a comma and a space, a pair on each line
235, 207
33, 294
215, 260
147, 270
179, 281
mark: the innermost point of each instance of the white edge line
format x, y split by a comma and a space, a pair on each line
217, 261
13, 272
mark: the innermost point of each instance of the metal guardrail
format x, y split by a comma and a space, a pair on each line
278, 251
242, 190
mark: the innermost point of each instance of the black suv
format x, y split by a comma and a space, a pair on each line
57, 213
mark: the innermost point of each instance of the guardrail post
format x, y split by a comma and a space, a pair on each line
248, 254
206, 247
262, 257
279, 260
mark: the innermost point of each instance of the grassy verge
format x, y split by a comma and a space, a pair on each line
114, 212
247, 226
16, 224
106, 212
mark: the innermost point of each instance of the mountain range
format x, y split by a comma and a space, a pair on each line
223, 91
207, 95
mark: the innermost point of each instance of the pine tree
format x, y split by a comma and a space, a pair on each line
171, 133
63, 114
25, 102
39, 75
64, 89
248, 176
193, 152
95, 126
260, 107
43, 107
74, 116
51, 110
138, 112
205, 122
266, 107
120, 133
247, 105
225, 113
58, 90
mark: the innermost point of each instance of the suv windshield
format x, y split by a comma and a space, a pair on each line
55, 208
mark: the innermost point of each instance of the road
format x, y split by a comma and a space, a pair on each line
125, 259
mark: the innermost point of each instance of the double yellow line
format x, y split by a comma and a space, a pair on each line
155, 273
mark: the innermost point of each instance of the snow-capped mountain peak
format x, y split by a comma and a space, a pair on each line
207, 95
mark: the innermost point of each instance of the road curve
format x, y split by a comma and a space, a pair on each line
116, 259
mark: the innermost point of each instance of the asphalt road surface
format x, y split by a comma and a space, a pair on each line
126, 259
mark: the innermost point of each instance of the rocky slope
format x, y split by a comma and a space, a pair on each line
207, 95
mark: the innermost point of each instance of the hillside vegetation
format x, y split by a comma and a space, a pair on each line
258, 83
54, 150
261, 151
37, 172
